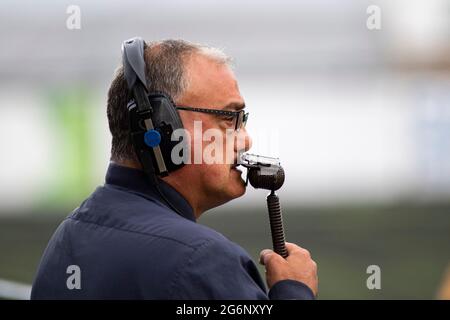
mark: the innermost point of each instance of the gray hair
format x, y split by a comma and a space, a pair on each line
166, 64
166, 72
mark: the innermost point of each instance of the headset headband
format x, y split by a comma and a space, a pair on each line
134, 69
133, 61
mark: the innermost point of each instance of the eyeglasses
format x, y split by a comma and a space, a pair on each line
240, 117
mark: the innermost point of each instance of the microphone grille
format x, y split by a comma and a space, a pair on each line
266, 180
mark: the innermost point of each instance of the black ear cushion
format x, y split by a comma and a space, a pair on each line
166, 119
165, 95
164, 110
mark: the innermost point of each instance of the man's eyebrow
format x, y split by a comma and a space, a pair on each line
234, 106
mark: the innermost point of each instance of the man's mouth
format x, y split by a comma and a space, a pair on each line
235, 166
236, 162
236, 169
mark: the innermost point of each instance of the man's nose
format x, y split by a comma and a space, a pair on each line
243, 141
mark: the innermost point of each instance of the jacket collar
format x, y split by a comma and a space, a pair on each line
137, 180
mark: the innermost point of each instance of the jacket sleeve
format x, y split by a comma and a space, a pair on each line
222, 270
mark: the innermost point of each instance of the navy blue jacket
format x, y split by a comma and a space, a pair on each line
128, 244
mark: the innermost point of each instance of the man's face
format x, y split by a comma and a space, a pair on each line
213, 86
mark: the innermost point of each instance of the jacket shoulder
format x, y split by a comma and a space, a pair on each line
132, 216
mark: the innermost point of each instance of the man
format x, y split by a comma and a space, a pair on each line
125, 242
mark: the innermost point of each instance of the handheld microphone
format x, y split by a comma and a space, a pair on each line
267, 173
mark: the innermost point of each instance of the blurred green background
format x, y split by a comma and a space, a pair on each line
411, 245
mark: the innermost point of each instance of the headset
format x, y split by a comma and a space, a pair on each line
152, 118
